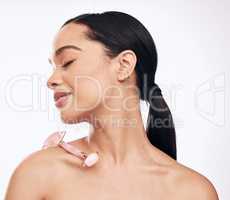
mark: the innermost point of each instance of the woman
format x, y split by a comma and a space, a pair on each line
105, 64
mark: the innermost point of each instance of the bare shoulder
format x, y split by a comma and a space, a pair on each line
184, 182
192, 184
28, 178
38, 173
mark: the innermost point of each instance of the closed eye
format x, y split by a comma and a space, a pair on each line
68, 63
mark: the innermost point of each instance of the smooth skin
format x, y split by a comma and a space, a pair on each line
129, 166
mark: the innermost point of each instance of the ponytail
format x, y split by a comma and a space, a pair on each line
160, 127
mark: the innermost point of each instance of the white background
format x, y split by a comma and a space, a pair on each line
193, 45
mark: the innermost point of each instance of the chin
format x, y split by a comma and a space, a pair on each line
71, 117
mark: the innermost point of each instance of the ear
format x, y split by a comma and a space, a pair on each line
127, 61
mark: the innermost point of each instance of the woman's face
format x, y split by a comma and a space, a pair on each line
88, 73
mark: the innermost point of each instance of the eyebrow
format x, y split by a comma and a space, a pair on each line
61, 49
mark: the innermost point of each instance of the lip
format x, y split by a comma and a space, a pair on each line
57, 95
60, 98
61, 101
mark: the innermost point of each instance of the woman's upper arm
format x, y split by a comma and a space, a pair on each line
28, 181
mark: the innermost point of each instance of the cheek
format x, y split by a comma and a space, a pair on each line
87, 92
88, 86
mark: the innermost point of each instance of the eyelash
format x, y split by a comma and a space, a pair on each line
67, 63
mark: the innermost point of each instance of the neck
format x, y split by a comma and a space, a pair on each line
120, 139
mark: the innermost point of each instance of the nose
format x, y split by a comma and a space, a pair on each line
51, 85
53, 81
